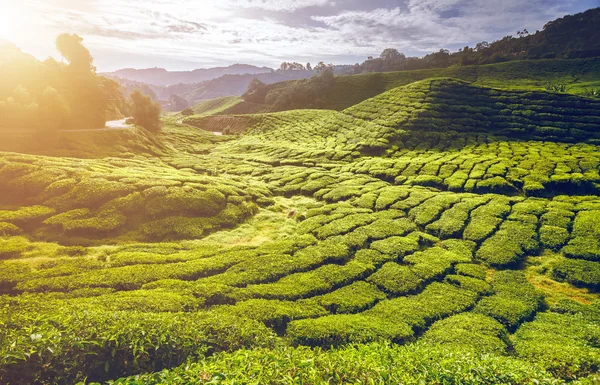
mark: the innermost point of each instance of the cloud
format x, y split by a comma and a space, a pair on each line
265, 32
426, 25
277, 5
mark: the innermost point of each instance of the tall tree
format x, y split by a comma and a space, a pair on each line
145, 111
72, 49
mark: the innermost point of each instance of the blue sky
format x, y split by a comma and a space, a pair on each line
188, 34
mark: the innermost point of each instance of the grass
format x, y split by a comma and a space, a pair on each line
440, 232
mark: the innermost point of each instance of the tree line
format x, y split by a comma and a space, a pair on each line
50, 95
573, 36
304, 93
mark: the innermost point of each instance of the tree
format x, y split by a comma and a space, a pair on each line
321, 67
256, 92
54, 110
178, 103
145, 111
72, 49
391, 54
481, 46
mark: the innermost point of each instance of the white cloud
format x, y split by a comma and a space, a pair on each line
277, 5
177, 33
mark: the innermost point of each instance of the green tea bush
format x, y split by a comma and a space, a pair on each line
273, 313
583, 247
516, 300
553, 237
471, 270
350, 299
307, 284
99, 345
437, 301
396, 279
578, 272
341, 329
563, 344
469, 332
508, 245
393, 364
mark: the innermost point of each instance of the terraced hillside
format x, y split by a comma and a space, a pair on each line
578, 75
441, 232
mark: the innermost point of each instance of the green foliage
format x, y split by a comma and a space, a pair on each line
509, 244
341, 329
145, 111
351, 299
563, 344
396, 279
49, 96
557, 87
385, 222
393, 364
467, 332
578, 272
70, 346
515, 301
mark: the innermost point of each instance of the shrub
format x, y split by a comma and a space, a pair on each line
471, 270
515, 301
509, 244
584, 247
273, 313
578, 272
306, 284
342, 328
437, 301
563, 344
468, 332
398, 246
553, 237
115, 343
350, 299
396, 279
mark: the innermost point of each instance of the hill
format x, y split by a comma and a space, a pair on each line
578, 75
440, 232
235, 85
216, 106
162, 77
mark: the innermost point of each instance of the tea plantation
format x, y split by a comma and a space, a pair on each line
440, 232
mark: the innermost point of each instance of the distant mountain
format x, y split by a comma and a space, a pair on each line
162, 77
226, 85
235, 85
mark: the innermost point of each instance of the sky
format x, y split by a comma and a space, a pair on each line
189, 34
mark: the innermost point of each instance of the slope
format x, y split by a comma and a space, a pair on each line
578, 74
400, 236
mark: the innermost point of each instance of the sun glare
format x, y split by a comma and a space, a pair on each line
10, 21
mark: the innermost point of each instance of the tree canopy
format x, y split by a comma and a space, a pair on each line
52, 95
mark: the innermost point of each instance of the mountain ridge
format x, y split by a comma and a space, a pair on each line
163, 77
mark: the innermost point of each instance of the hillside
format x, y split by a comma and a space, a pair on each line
216, 106
577, 74
235, 85
439, 232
